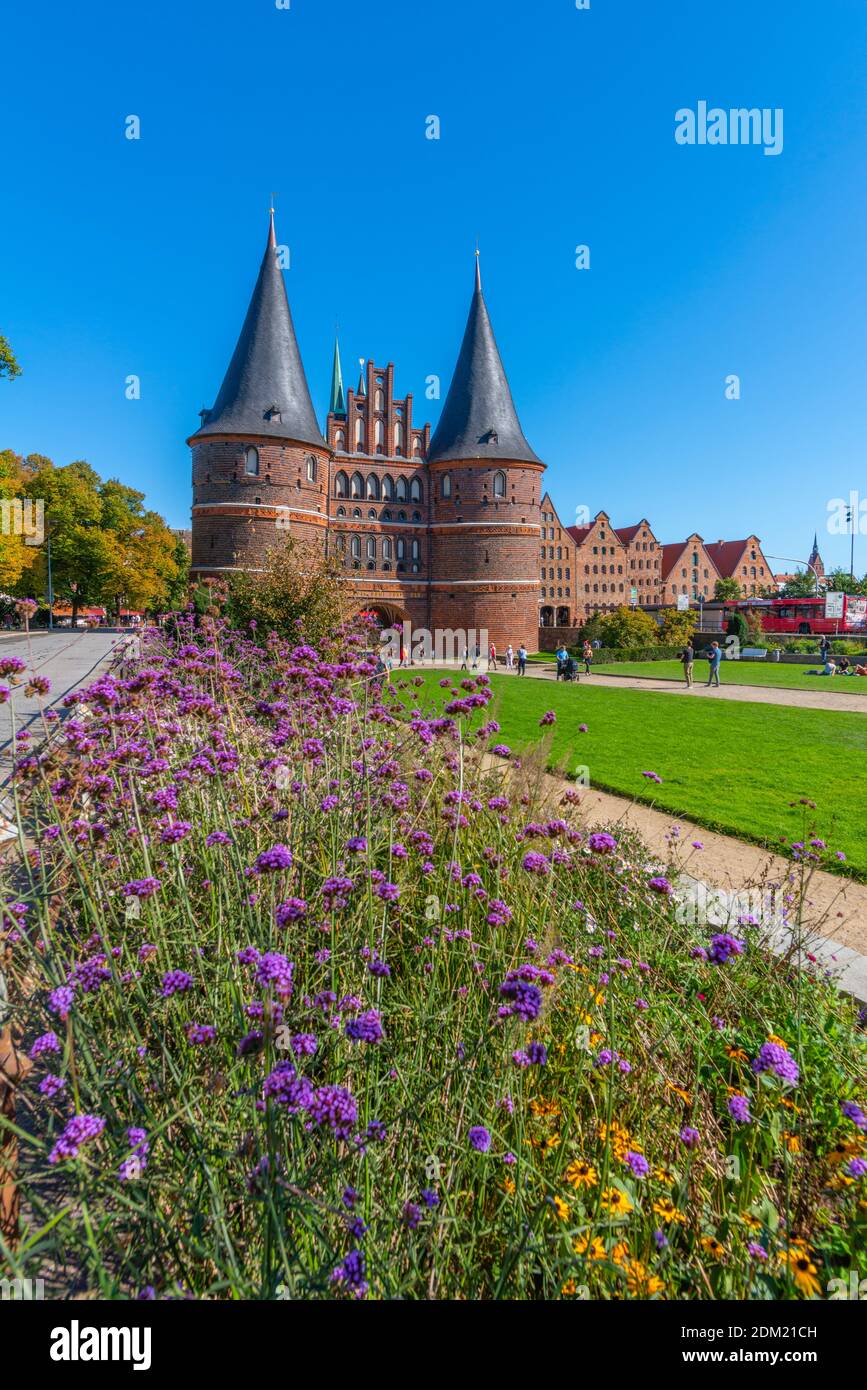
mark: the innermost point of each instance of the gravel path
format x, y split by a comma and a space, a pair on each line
757, 694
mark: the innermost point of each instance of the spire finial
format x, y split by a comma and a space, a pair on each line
272, 235
478, 267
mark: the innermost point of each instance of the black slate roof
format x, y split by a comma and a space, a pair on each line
479, 419
265, 391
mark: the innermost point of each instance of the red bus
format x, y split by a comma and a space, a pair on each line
808, 615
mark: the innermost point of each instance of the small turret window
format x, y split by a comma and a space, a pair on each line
447, 485
311, 468
415, 490
251, 462
499, 484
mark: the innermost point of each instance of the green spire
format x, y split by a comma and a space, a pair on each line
337, 404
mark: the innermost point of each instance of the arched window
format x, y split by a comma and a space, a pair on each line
379, 400
388, 488
446, 486
416, 446
340, 440
416, 551
379, 436
341, 485
386, 548
386, 514
371, 548
400, 490
372, 487
499, 484
355, 547
251, 462
398, 438
401, 549
311, 468
341, 511
359, 435
356, 486
415, 490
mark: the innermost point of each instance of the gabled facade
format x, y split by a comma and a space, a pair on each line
687, 568
601, 566
561, 604
743, 561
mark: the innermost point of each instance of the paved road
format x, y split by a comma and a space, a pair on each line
68, 659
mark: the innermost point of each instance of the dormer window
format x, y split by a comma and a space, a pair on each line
273, 413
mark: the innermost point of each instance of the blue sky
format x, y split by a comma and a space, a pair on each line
557, 128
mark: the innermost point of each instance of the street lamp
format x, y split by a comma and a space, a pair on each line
790, 560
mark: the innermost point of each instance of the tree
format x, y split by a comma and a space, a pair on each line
106, 548
297, 594
677, 628
8, 361
801, 585
629, 627
841, 582
17, 557
726, 589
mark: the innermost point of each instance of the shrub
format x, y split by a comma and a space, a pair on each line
628, 627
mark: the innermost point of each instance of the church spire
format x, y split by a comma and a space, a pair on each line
361, 391
337, 403
264, 391
479, 419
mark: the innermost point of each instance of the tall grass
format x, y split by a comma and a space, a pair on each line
353, 1013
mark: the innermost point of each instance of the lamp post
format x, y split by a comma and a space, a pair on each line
50, 582
790, 560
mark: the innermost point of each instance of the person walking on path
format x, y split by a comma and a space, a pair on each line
477, 651
687, 656
562, 657
510, 658
465, 658
587, 653
714, 657
492, 657
522, 659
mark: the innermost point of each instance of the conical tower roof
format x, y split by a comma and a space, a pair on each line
337, 401
479, 419
264, 391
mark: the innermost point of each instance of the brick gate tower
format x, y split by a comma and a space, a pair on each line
486, 486
259, 459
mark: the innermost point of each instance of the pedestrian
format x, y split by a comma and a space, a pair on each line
477, 651
522, 659
587, 653
687, 656
714, 657
562, 657
492, 657
510, 658
466, 654
824, 647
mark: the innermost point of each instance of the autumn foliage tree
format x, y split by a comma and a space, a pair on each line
297, 592
107, 549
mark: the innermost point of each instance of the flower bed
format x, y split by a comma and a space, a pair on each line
322, 1004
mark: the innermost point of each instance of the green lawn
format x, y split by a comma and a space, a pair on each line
772, 673
732, 766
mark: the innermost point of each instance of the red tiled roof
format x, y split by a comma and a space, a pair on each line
579, 534
725, 555
670, 556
